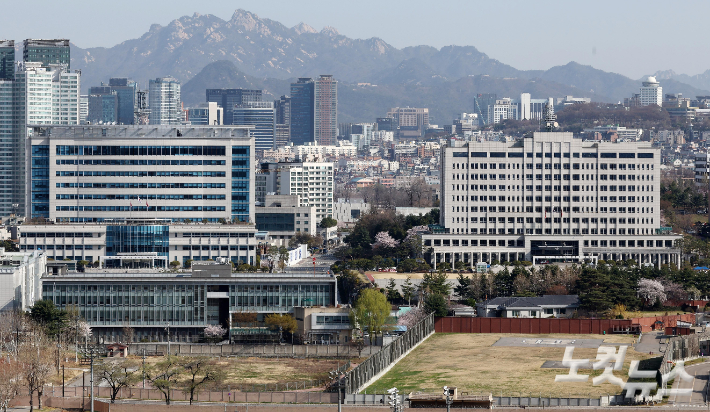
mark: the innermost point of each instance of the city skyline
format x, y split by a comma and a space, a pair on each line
595, 40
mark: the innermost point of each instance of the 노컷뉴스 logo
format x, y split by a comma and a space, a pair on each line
610, 360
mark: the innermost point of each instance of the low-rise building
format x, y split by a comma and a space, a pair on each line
283, 217
20, 279
324, 325
547, 306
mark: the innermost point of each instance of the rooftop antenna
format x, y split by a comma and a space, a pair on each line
550, 117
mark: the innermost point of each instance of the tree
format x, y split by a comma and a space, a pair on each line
49, 316
200, 370
10, 381
408, 290
349, 286
118, 373
128, 334
371, 310
412, 317
393, 294
435, 283
214, 333
164, 376
174, 264
651, 291
436, 303
36, 357
328, 222
280, 322
384, 240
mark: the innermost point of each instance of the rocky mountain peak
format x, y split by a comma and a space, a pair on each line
302, 27
330, 31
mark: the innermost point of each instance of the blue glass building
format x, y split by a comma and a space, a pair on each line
302, 111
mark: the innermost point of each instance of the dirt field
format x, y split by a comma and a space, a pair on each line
469, 362
249, 371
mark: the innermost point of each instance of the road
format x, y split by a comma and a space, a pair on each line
305, 266
699, 384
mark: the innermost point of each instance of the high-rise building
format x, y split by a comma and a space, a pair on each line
387, 124
311, 181
95, 173
103, 105
302, 111
261, 116
525, 110
411, 122
551, 198
7, 59
228, 98
83, 108
164, 101
651, 92
126, 91
483, 104
47, 52
37, 95
326, 110
206, 114
282, 118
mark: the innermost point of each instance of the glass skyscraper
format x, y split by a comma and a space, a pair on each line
302, 111
47, 52
261, 115
228, 98
7, 59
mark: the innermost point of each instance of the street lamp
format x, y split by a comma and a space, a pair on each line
393, 400
449, 394
92, 352
337, 384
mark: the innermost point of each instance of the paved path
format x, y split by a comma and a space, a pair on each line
698, 384
652, 342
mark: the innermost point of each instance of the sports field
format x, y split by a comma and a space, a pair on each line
511, 368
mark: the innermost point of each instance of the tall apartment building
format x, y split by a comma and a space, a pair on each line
37, 95
7, 59
83, 108
164, 101
47, 52
651, 92
228, 98
326, 110
411, 122
261, 116
504, 109
93, 173
311, 181
302, 111
551, 198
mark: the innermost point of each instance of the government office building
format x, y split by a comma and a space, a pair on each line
151, 301
551, 198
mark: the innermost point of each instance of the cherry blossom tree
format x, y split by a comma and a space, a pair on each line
651, 291
412, 317
214, 332
383, 239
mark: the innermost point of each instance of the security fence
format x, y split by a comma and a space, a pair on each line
381, 361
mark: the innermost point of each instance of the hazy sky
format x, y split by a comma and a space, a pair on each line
628, 37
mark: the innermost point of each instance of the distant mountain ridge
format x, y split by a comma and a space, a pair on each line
266, 53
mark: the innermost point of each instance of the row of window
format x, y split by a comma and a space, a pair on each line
555, 231
218, 247
589, 155
80, 150
594, 220
96, 173
136, 197
142, 185
549, 177
601, 188
139, 162
612, 199
138, 208
521, 243
556, 166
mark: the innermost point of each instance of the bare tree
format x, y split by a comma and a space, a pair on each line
200, 371
128, 334
12, 327
10, 381
36, 359
118, 374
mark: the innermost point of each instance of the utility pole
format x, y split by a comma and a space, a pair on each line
143, 368
92, 352
167, 328
448, 393
337, 384
393, 399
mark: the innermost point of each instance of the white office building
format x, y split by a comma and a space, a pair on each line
164, 101
551, 198
651, 92
311, 181
260, 115
20, 279
92, 173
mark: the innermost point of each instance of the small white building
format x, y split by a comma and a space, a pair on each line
20, 279
547, 306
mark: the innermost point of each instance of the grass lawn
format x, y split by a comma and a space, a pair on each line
469, 362
646, 314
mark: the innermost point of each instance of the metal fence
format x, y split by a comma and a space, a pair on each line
381, 361
260, 351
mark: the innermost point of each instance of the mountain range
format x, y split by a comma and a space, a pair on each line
247, 51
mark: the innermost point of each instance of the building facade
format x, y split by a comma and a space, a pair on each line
326, 110
411, 121
103, 105
302, 111
7, 59
228, 98
20, 279
150, 302
651, 92
47, 52
136, 243
206, 114
551, 198
164, 101
312, 182
92, 173
260, 115
282, 217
